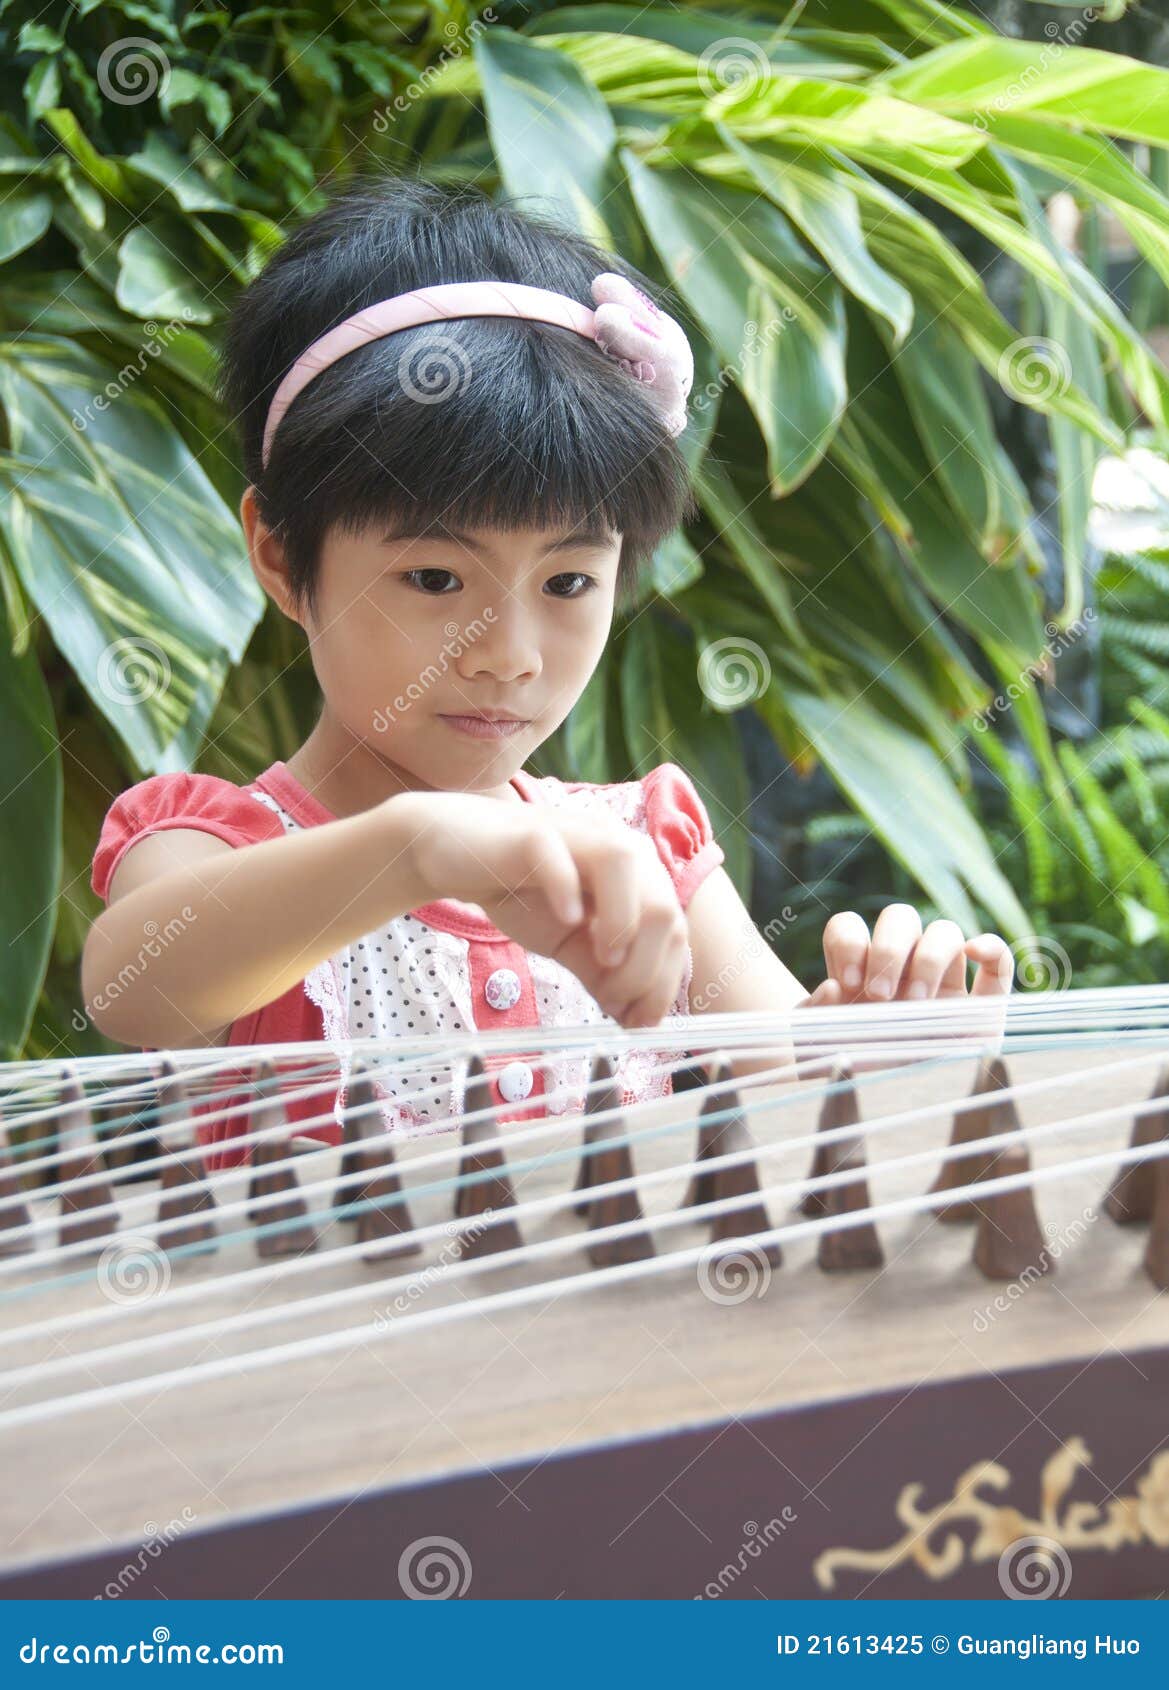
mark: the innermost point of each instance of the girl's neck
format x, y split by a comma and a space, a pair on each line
347, 776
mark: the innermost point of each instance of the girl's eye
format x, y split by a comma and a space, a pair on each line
588, 580
425, 585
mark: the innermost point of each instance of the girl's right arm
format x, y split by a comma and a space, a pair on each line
198, 932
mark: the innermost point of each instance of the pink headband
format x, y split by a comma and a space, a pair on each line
651, 346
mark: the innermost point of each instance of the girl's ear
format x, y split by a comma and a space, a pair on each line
266, 555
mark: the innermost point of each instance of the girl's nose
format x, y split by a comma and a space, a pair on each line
506, 648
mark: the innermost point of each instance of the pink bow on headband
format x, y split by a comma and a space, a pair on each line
626, 325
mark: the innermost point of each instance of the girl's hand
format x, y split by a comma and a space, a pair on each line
586, 890
900, 961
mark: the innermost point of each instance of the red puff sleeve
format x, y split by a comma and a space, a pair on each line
676, 820
178, 800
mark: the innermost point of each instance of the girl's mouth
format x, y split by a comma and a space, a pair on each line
481, 727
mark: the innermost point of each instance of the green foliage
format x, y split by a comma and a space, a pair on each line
864, 540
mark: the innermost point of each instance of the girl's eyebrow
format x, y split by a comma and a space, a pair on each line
573, 540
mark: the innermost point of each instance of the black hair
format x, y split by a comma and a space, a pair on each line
541, 428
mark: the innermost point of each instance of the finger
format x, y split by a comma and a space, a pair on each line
606, 865
895, 937
547, 866
846, 949
648, 980
996, 964
932, 970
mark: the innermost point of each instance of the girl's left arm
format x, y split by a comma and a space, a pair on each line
736, 970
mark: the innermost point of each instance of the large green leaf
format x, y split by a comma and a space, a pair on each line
551, 131
732, 46
124, 546
1077, 86
774, 315
1061, 272
25, 214
948, 403
995, 603
30, 839
1076, 452
905, 791
821, 203
865, 121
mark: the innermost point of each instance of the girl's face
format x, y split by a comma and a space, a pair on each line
417, 637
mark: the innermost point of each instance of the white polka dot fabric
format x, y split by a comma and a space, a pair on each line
415, 980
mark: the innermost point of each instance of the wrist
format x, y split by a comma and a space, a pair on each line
404, 828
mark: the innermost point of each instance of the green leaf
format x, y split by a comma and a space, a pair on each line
118, 536
25, 214
164, 271
774, 315
866, 122
550, 130
42, 88
38, 38
741, 44
30, 840
993, 603
907, 795
819, 201
950, 410
184, 88
104, 173
1081, 86
667, 720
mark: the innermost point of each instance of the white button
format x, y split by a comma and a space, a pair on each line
515, 1081
503, 988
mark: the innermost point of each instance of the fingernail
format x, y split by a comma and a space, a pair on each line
852, 975
917, 989
573, 910
616, 954
880, 988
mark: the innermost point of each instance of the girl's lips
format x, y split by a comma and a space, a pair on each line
479, 728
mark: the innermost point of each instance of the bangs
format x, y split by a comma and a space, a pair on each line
480, 423
467, 423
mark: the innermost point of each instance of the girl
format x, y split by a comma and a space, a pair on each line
450, 490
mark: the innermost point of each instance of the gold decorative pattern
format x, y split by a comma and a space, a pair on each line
1139, 1518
